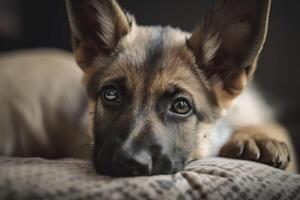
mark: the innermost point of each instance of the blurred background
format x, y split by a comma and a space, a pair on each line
36, 23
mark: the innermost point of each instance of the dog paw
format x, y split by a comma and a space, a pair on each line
258, 148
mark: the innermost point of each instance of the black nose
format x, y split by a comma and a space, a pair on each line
132, 163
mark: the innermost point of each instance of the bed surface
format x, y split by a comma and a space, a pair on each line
214, 178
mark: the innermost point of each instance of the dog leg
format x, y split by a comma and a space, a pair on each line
268, 144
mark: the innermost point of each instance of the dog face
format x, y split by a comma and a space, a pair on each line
151, 103
156, 92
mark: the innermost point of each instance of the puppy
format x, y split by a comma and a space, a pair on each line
161, 97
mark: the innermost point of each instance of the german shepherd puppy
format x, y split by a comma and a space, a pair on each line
160, 97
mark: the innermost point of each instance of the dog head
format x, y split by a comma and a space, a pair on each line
157, 92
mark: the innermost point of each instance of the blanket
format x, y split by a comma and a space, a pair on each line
213, 178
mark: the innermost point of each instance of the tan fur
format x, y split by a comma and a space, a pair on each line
42, 105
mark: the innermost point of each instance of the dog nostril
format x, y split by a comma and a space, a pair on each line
127, 164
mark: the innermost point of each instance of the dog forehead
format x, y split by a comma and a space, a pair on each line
146, 44
152, 59
156, 52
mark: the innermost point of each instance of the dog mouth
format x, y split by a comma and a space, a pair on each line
111, 163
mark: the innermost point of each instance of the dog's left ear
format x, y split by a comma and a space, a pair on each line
97, 27
227, 45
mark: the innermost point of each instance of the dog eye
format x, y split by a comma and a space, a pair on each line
111, 93
181, 106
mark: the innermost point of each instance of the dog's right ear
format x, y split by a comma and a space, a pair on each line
97, 27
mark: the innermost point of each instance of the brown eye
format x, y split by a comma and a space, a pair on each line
181, 106
111, 94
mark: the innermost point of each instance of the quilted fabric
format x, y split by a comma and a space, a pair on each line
214, 178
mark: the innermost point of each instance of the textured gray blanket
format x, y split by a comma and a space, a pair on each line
215, 178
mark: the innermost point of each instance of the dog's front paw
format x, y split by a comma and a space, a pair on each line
257, 147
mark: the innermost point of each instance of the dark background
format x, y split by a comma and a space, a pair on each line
43, 23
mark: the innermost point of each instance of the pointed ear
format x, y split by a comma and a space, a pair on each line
227, 45
97, 27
